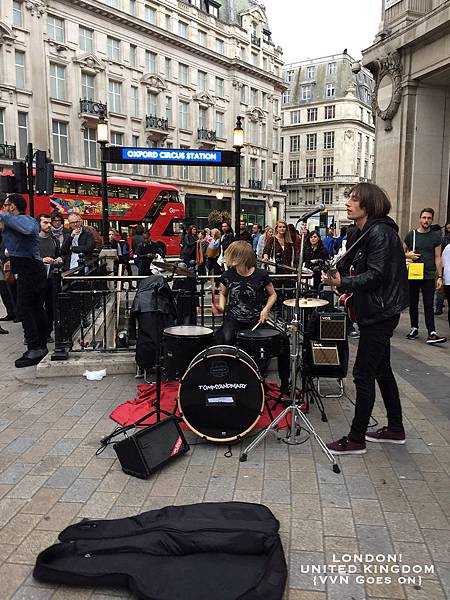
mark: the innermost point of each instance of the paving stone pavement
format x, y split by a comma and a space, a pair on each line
392, 501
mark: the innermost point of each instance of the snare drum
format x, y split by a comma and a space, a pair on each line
181, 344
221, 396
261, 344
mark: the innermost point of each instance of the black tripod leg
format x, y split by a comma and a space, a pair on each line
315, 397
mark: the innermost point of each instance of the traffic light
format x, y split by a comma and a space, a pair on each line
44, 174
17, 182
323, 219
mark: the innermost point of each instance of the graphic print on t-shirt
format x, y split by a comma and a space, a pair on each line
245, 294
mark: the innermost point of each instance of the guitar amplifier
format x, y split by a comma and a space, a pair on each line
327, 359
151, 447
333, 327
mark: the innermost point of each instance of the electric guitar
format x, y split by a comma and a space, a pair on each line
345, 300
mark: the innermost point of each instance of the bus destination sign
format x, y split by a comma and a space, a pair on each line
167, 156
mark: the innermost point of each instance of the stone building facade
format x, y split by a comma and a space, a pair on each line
327, 134
171, 73
410, 59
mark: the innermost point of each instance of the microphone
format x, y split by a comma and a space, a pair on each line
312, 212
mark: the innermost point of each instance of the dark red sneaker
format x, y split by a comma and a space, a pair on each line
385, 435
346, 446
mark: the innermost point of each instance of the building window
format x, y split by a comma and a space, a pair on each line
366, 169
169, 115
328, 140
150, 14
22, 122
134, 101
19, 58
255, 59
327, 195
57, 81
331, 69
311, 114
17, 14
358, 166
369, 119
114, 96
150, 61
183, 74
310, 196
294, 166
253, 132
116, 140
263, 134
306, 92
264, 100
2, 126
183, 29
60, 142
152, 104
276, 107
132, 7
55, 28
168, 22
254, 96
367, 145
202, 38
330, 111
310, 72
275, 139
295, 143
87, 86
90, 148
330, 90
295, 117
328, 166
244, 94
202, 78
168, 68
184, 115
203, 118
220, 124
310, 168
213, 10
169, 168
86, 39
311, 141
133, 55
220, 46
286, 97
220, 87
113, 3
289, 76
113, 48
359, 142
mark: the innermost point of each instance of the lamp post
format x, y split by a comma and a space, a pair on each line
238, 143
103, 139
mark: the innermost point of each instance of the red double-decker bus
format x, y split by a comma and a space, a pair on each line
130, 202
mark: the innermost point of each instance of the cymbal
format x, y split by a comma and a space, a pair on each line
173, 268
305, 272
306, 302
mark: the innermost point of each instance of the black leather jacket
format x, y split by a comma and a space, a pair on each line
380, 281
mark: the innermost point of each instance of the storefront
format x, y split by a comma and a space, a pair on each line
198, 207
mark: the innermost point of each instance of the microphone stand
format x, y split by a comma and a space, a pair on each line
293, 408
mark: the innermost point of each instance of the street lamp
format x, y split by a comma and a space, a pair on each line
238, 143
103, 139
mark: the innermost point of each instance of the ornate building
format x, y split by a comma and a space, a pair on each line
328, 133
170, 73
410, 60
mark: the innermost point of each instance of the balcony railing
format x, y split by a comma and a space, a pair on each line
93, 107
206, 135
155, 122
256, 41
255, 184
8, 151
348, 179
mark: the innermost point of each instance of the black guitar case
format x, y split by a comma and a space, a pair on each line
224, 550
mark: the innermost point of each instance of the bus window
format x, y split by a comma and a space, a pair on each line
64, 186
174, 228
126, 192
88, 188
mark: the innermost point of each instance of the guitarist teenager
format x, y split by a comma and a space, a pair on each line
380, 292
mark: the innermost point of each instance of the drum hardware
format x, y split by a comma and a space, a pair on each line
299, 421
173, 268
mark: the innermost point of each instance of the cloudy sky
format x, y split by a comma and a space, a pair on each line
311, 29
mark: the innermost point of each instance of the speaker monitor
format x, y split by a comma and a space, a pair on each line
333, 327
150, 448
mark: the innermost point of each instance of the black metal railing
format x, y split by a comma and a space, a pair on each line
8, 151
255, 184
206, 135
256, 41
93, 107
155, 122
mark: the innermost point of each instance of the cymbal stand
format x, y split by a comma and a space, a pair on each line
296, 414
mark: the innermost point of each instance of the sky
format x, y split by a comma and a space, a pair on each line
311, 29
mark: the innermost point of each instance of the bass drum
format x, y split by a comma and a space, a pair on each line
221, 396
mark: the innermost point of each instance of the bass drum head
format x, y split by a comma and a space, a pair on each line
221, 396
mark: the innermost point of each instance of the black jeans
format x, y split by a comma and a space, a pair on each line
427, 287
373, 363
447, 295
226, 334
31, 287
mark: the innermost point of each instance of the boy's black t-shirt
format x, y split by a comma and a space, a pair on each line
246, 295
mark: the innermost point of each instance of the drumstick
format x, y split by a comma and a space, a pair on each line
257, 325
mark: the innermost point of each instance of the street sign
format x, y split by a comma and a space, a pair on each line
170, 156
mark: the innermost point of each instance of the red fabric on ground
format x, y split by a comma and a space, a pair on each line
131, 411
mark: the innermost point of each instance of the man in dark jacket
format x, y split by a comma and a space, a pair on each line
50, 251
378, 281
79, 242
